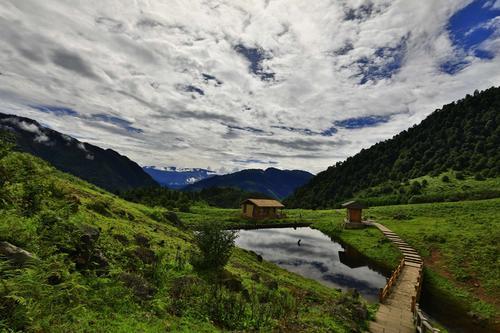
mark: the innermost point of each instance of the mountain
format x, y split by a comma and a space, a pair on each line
103, 167
271, 182
176, 178
463, 136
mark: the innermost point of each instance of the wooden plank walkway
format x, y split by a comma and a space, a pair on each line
396, 311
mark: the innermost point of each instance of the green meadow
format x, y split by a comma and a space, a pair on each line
102, 264
458, 241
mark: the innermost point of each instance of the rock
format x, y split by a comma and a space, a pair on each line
86, 255
174, 219
147, 256
89, 236
16, 255
259, 258
141, 287
233, 284
141, 240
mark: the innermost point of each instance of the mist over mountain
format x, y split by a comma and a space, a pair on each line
105, 168
177, 178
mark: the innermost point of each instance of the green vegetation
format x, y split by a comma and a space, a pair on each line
215, 244
462, 136
98, 263
459, 244
223, 197
448, 186
458, 241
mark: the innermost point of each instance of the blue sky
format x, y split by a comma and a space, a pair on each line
230, 84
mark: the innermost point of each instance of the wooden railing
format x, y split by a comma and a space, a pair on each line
422, 323
384, 292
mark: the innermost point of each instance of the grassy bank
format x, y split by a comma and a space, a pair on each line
102, 264
459, 244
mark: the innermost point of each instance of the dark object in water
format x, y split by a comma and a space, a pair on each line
298, 243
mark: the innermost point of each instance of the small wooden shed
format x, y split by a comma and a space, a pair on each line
354, 211
261, 208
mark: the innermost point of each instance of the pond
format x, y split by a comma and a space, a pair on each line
314, 255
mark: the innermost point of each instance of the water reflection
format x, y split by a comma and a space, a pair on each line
312, 254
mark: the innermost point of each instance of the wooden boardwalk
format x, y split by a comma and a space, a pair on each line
398, 300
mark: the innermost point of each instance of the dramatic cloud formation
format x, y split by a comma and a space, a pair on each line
231, 84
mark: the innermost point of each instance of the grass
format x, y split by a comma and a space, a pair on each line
104, 264
448, 186
459, 244
458, 241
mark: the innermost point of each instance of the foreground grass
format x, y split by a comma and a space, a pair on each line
103, 264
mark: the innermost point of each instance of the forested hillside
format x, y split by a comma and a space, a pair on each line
463, 136
103, 167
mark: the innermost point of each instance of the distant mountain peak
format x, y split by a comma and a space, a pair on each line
272, 182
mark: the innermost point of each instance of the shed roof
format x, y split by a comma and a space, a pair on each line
265, 203
354, 204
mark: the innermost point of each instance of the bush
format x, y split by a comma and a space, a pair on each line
445, 179
460, 175
215, 245
478, 176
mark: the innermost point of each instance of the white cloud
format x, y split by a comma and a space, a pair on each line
131, 62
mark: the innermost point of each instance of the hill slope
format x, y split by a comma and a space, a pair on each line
463, 135
271, 182
103, 167
97, 263
174, 178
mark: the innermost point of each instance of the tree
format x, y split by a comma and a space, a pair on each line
215, 245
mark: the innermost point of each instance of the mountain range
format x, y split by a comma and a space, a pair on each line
177, 178
103, 167
271, 182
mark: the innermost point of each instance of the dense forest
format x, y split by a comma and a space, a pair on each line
462, 136
224, 197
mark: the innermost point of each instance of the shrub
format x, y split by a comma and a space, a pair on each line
445, 179
459, 175
215, 245
478, 176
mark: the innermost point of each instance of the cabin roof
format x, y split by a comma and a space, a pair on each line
354, 204
264, 203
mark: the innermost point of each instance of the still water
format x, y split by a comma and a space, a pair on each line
314, 255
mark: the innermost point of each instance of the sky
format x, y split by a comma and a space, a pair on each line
237, 84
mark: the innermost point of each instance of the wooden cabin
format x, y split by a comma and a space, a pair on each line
261, 208
354, 214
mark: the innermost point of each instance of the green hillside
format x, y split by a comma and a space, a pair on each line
462, 136
98, 263
448, 186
